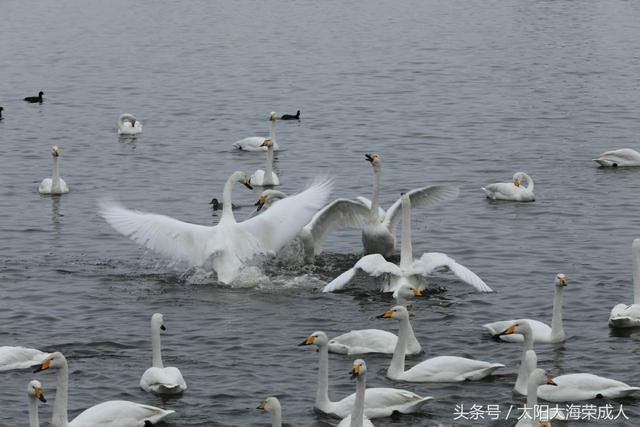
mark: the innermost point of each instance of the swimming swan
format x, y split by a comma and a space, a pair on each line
378, 402
619, 158
266, 177
34, 392
511, 191
20, 358
227, 246
378, 234
357, 417
628, 316
129, 125
411, 271
55, 184
542, 333
363, 341
436, 369
340, 213
254, 143
112, 413
157, 378
272, 406
537, 378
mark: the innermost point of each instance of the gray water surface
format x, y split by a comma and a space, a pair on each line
462, 92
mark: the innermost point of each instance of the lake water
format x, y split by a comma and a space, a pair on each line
461, 92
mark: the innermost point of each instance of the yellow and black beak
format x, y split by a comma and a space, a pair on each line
516, 182
386, 315
247, 183
550, 381
260, 203
416, 292
563, 281
309, 341
510, 330
262, 406
265, 143
40, 395
355, 370
371, 157
164, 328
43, 366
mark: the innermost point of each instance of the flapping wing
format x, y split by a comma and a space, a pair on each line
374, 265
425, 196
367, 203
162, 234
337, 214
431, 261
285, 218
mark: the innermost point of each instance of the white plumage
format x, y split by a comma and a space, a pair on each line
619, 158
255, 143
55, 184
513, 191
129, 125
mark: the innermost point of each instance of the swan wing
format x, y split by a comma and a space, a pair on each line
252, 143
20, 357
625, 316
364, 341
367, 203
431, 261
450, 368
583, 386
168, 236
119, 413
380, 402
286, 217
163, 380
425, 196
541, 331
374, 265
338, 214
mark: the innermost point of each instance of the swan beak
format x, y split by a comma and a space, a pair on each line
550, 381
163, 327
510, 330
262, 406
247, 182
371, 157
44, 366
563, 281
355, 370
386, 315
310, 340
40, 395
416, 292
260, 203
265, 143
516, 182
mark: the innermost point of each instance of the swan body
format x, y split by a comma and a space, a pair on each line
55, 184
272, 406
542, 333
340, 213
436, 369
357, 418
266, 177
158, 378
576, 387
20, 358
410, 271
229, 245
129, 125
34, 392
363, 341
513, 191
255, 143
378, 233
628, 316
114, 413
378, 402
619, 158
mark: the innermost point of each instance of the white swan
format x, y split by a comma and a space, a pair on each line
628, 316
378, 234
341, 213
266, 177
511, 191
537, 378
254, 143
227, 246
272, 406
55, 184
528, 361
160, 379
34, 391
411, 271
619, 158
363, 341
357, 418
129, 125
542, 333
20, 358
378, 402
119, 413
436, 369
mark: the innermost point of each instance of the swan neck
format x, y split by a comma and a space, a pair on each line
406, 250
55, 176
34, 421
530, 184
357, 413
396, 368
59, 418
375, 201
272, 132
636, 275
227, 208
523, 372
532, 399
156, 347
322, 395
557, 330
276, 417
268, 168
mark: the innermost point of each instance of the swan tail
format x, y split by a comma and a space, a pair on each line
484, 372
416, 406
604, 162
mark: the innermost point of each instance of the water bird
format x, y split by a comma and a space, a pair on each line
110, 413
357, 418
542, 333
20, 357
435, 369
619, 158
266, 177
229, 245
254, 143
34, 99
158, 378
623, 315
129, 125
513, 191
271, 405
1, 110
34, 393
291, 116
537, 378
410, 271
55, 184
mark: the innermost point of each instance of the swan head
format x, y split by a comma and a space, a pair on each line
55, 360
266, 143
270, 404
561, 280
406, 292
34, 389
317, 338
267, 196
55, 151
398, 312
519, 327
358, 369
157, 321
242, 178
272, 116
540, 377
374, 159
